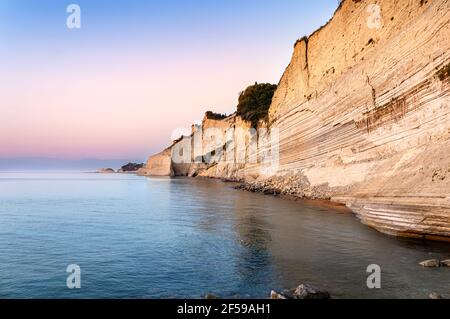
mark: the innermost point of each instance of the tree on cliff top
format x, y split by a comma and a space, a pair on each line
215, 116
131, 167
255, 101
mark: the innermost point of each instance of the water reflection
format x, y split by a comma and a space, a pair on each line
160, 237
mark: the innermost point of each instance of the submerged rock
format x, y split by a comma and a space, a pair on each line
430, 263
303, 291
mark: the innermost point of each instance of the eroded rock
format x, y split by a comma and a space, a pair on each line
430, 263
303, 291
276, 295
445, 263
435, 295
131, 167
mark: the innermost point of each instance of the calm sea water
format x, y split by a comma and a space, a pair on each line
136, 237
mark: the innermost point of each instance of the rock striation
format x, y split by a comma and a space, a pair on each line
362, 114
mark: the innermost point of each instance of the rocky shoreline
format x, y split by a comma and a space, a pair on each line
293, 185
282, 188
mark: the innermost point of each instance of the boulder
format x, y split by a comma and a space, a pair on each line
435, 295
305, 291
276, 295
445, 263
430, 263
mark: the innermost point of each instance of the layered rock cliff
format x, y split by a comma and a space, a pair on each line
362, 117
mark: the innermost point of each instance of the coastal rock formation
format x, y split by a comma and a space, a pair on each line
435, 295
276, 295
363, 111
199, 160
158, 165
430, 263
362, 115
105, 171
445, 263
303, 291
130, 168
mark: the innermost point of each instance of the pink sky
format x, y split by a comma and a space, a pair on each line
105, 92
108, 111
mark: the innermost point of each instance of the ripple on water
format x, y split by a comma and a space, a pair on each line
150, 238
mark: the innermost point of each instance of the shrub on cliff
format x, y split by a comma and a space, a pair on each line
255, 101
215, 116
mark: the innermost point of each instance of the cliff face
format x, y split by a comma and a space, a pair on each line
362, 116
158, 165
365, 112
194, 155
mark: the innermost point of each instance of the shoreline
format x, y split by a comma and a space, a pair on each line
337, 207
328, 203
317, 202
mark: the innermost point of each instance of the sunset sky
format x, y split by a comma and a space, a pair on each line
136, 70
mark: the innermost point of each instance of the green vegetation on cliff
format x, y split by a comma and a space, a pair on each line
215, 116
131, 167
255, 101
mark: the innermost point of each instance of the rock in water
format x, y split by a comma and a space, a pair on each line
305, 291
131, 167
445, 263
435, 295
430, 263
105, 171
276, 295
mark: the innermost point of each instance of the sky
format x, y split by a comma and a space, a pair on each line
136, 70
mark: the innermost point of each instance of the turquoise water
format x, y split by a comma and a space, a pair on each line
137, 237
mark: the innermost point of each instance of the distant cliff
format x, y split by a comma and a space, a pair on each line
130, 168
362, 117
